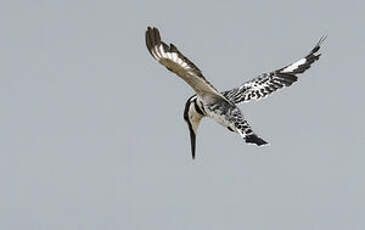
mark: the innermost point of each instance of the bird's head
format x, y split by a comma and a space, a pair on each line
192, 116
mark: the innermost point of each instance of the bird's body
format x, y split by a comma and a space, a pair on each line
223, 112
221, 106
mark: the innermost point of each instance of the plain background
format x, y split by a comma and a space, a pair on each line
92, 133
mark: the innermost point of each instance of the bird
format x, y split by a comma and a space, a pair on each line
222, 106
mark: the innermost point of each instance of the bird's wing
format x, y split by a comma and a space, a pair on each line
176, 62
267, 83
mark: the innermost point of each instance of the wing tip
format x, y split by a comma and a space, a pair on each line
322, 39
153, 39
318, 45
153, 35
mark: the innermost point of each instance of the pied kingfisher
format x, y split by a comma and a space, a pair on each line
221, 106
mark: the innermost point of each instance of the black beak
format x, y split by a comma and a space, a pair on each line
193, 141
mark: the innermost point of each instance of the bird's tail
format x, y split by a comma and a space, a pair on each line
254, 139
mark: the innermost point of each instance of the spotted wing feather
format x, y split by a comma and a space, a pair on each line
267, 83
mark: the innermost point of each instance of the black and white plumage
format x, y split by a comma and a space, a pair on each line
267, 83
221, 107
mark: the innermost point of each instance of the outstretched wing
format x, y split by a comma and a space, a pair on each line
267, 83
173, 60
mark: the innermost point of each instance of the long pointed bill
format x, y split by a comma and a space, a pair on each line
192, 141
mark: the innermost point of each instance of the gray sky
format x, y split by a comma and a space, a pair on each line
92, 133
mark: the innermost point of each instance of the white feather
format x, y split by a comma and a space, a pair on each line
294, 66
162, 52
